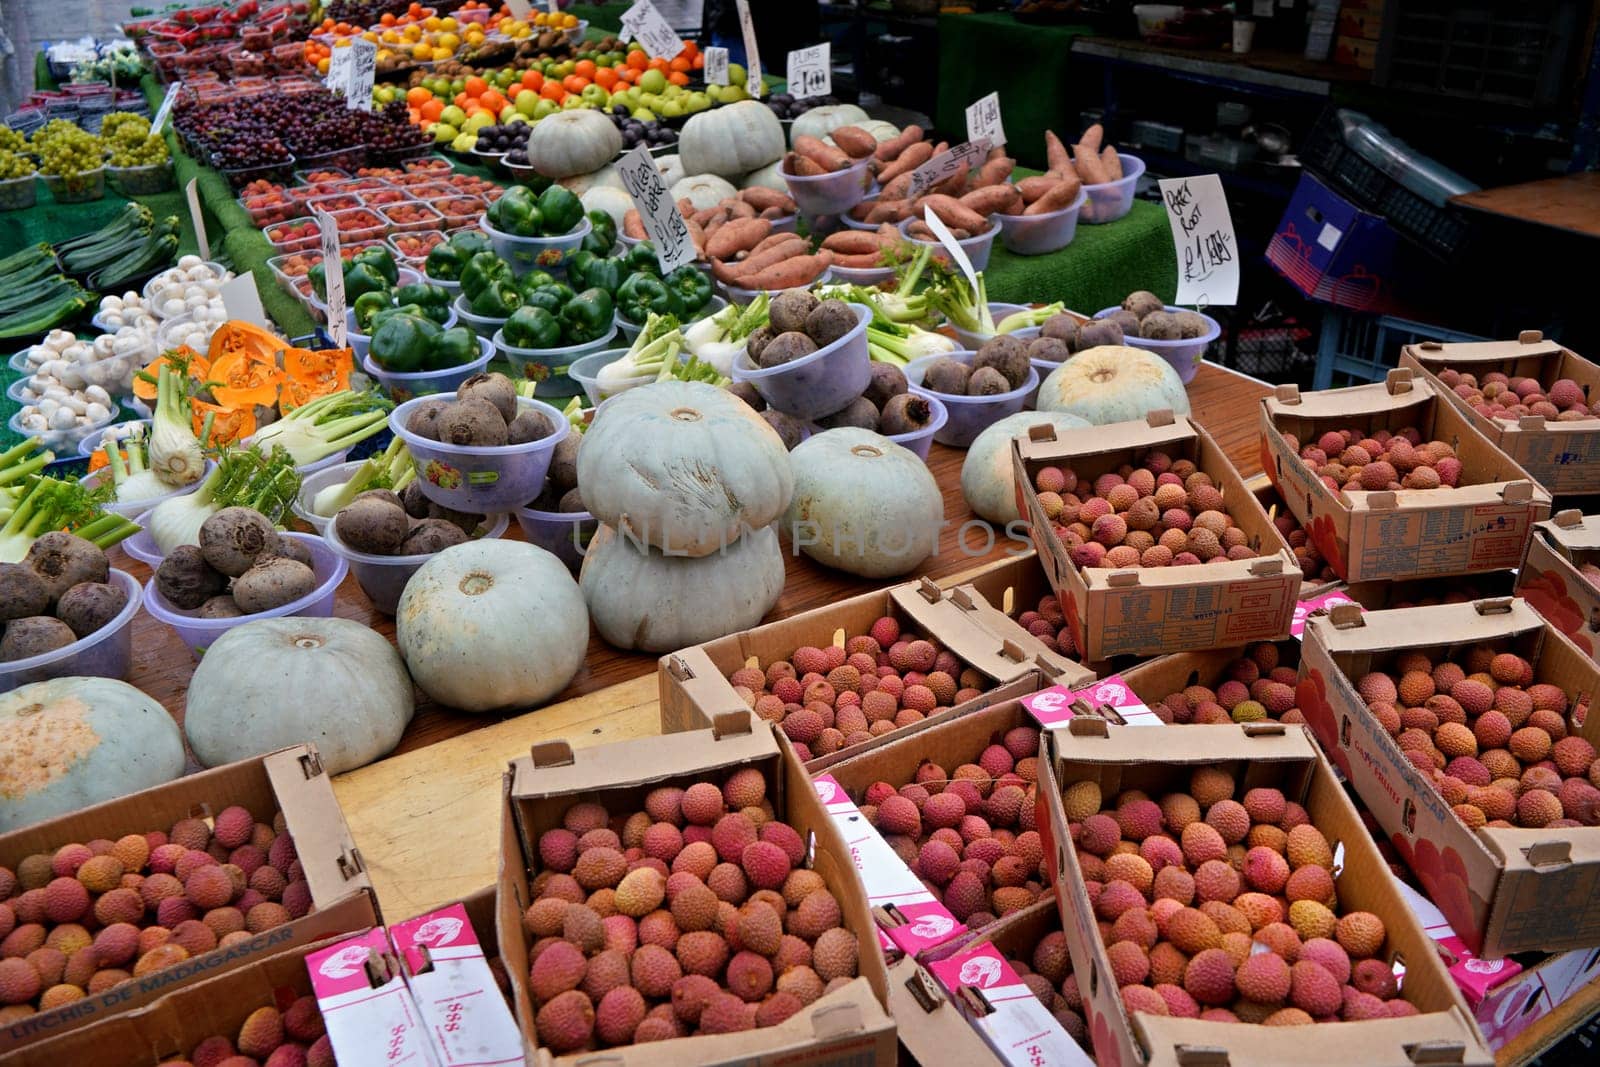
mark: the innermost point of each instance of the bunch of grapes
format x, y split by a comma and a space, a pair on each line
66, 150
11, 140
130, 142
14, 165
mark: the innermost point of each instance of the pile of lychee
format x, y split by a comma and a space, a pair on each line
87, 917
1045, 971
969, 831
294, 1037
1306, 554
1161, 512
1590, 572
1352, 459
1225, 909
1048, 623
1495, 743
1256, 686
693, 916
829, 697
1497, 396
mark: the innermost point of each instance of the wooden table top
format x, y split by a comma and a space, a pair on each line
1570, 203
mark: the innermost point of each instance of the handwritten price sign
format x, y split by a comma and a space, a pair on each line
363, 68
961, 158
165, 110
644, 24
716, 66
662, 219
752, 54
811, 71
983, 121
1202, 233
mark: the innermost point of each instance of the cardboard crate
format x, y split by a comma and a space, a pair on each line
1262, 754
1551, 581
848, 1026
1267, 495
1151, 610
1564, 457
292, 781
694, 686
1503, 890
174, 1024
1483, 525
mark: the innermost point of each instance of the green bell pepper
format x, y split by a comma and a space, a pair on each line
363, 278
517, 213
402, 343
560, 210
691, 286
602, 233
643, 295
368, 305
532, 282
532, 327
497, 301
469, 243
444, 262
549, 298
434, 301
606, 274
562, 291
578, 266
452, 348
483, 270
642, 256
380, 259
586, 317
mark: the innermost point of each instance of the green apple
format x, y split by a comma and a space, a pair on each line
454, 116
507, 112
544, 109
650, 100
478, 122
644, 114
733, 93
652, 81
526, 101
697, 102
444, 133
573, 102
672, 109
465, 142
516, 118
458, 85
714, 92
596, 95
737, 75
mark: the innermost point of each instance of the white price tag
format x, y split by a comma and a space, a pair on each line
1202, 235
752, 52
811, 71
947, 165
241, 301
644, 24
520, 10
339, 62
958, 255
1329, 236
363, 69
983, 121
197, 217
555, 7
333, 276
716, 66
663, 222
165, 110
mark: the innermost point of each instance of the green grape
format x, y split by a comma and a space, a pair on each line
14, 165
11, 140
141, 153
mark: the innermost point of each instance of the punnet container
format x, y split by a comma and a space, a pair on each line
970, 415
830, 194
535, 253
818, 384
384, 578
480, 480
1038, 235
1109, 201
106, 653
564, 534
977, 248
403, 387
921, 441
1184, 355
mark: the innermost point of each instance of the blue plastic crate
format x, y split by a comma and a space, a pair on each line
1355, 349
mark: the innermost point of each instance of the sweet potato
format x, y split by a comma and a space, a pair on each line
1055, 153
897, 189
801, 166
698, 237
888, 232
853, 242
775, 213
1112, 163
823, 155
706, 214
737, 235
1035, 187
1092, 137
889, 211
761, 198
953, 212
686, 206
738, 209
992, 198
854, 141
941, 148
717, 222
789, 274
1060, 196
864, 261
776, 253
890, 150
633, 224
994, 172
1087, 162
862, 210
908, 161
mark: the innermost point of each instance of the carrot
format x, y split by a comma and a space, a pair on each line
825, 156
1092, 137
801, 166
994, 171
777, 253
856, 142
953, 213
1062, 195
891, 149
888, 211
1035, 187
736, 236
992, 198
1087, 163
853, 242
1055, 153
761, 198
790, 274
1112, 163
633, 224
906, 162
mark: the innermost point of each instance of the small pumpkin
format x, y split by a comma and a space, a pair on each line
492, 625
821, 121
863, 504
683, 466
767, 177
671, 168
730, 140
703, 190
569, 143
68, 743
276, 682
1113, 383
643, 599
987, 480
610, 199
604, 178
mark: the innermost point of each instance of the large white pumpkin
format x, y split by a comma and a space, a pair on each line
671, 168
683, 466
492, 625
767, 177
68, 743
575, 142
278, 682
610, 199
863, 504
1113, 383
731, 140
987, 480
642, 599
607, 177
821, 121
703, 190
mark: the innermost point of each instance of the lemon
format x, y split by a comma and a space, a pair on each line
448, 42
421, 52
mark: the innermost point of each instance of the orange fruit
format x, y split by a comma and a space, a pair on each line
475, 86
431, 110
638, 60
678, 77
585, 69
574, 84
605, 77
532, 79
416, 96
552, 91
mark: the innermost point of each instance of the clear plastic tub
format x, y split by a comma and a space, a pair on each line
61, 442
359, 342
313, 484
482, 325
146, 180
384, 578
977, 248
106, 653
359, 224
830, 194
446, 285
239, 177
970, 415
857, 224
974, 341
861, 275
1038, 235
630, 330
141, 546
266, 210
286, 244
476, 480
87, 446
323, 463
430, 219
1109, 201
76, 188
742, 297
331, 202
549, 366
199, 634
458, 209
563, 534
287, 279
536, 253
920, 441
586, 372
1185, 356
403, 387
19, 193
818, 384
134, 508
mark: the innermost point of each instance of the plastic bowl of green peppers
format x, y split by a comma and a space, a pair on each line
536, 231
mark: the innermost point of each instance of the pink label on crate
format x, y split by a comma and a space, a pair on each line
1050, 706
1053, 706
454, 990
928, 923
1019, 1028
342, 969
1303, 610
369, 1026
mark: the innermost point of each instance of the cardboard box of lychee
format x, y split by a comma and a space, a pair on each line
1252, 683
656, 900
1531, 397
1217, 889
1151, 540
1463, 728
1317, 576
837, 678
1561, 577
1392, 481
108, 908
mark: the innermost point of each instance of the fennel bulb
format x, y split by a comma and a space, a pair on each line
175, 454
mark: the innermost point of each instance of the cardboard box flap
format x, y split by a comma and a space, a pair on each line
692, 669
1158, 428
555, 770
932, 609
1540, 851
1531, 343
1401, 391
1095, 743
1346, 628
1441, 1037
1017, 647
1280, 562
333, 865
930, 1025
1573, 530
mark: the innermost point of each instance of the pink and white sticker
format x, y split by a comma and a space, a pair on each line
1053, 706
466, 1018
369, 1026
1304, 609
1019, 1029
